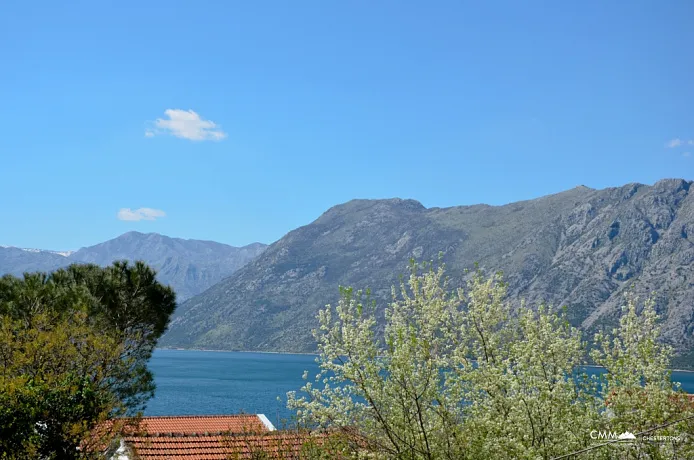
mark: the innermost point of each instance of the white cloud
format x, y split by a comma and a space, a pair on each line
673, 143
686, 154
690, 142
140, 214
186, 124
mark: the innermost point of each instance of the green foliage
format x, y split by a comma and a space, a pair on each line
74, 347
459, 375
637, 384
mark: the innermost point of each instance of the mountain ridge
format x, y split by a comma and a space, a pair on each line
581, 247
190, 266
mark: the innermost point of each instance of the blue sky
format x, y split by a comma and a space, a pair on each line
298, 106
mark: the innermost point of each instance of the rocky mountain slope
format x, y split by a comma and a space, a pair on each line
189, 266
581, 248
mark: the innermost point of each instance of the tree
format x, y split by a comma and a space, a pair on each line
458, 374
637, 386
74, 347
54, 384
127, 301
397, 390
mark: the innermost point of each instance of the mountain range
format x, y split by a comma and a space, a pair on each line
582, 248
189, 266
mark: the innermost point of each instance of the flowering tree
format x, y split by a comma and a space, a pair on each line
637, 387
396, 390
456, 374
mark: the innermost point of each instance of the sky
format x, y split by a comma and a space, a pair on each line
238, 121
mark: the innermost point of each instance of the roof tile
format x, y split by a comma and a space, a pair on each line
202, 424
238, 446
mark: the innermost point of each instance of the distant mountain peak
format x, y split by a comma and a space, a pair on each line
39, 251
189, 266
136, 234
408, 202
370, 205
673, 184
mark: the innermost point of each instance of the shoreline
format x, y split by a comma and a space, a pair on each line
689, 371
239, 351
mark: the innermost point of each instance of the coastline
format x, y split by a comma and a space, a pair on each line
238, 351
689, 371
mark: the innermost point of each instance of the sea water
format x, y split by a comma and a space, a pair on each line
209, 382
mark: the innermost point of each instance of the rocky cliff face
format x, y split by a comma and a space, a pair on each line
581, 248
189, 266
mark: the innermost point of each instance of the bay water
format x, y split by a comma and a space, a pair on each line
191, 382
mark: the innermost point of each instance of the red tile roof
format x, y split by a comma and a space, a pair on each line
219, 437
219, 447
195, 437
210, 424
192, 447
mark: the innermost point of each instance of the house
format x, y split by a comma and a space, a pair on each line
189, 437
280, 445
214, 437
